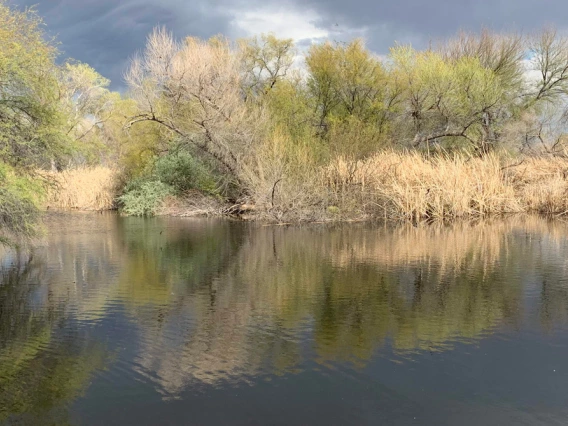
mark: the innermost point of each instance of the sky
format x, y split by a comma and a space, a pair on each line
107, 33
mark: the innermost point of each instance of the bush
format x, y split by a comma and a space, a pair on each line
18, 216
171, 174
184, 172
143, 197
19, 212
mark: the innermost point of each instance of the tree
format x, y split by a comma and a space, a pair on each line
550, 60
503, 54
350, 89
451, 101
88, 105
541, 125
193, 90
31, 120
265, 60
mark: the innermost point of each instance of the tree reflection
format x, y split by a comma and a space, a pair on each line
345, 293
41, 369
216, 301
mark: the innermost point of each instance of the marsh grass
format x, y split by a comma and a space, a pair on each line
286, 184
411, 186
542, 186
87, 188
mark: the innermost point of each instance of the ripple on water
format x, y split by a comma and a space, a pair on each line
146, 311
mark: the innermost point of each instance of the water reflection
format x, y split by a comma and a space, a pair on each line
183, 304
44, 363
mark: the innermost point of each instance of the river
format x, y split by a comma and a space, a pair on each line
114, 320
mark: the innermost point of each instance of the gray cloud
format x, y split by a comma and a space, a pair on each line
420, 21
105, 33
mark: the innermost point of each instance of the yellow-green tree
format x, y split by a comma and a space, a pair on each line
447, 101
265, 60
31, 121
352, 95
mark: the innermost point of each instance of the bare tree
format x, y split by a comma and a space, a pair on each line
501, 53
550, 59
193, 89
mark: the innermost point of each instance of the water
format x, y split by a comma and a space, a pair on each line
127, 321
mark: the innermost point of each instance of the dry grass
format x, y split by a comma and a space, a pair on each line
284, 181
541, 184
411, 186
191, 204
89, 188
286, 185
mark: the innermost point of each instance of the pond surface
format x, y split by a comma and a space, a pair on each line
127, 321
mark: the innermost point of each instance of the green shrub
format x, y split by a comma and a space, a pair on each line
171, 174
143, 197
19, 212
183, 172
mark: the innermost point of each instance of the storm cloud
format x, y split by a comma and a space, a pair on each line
106, 33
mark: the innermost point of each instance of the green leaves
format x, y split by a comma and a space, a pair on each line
143, 198
346, 80
19, 210
454, 100
171, 174
30, 119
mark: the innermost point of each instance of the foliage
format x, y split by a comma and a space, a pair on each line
241, 120
266, 61
192, 90
19, 210
171, 174
451, 101
51, 116
30, 118
346, 80
184, 172
90, 109
143, 197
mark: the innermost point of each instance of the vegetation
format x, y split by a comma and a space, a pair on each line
330, 133
50, 117
348, 135
83, 188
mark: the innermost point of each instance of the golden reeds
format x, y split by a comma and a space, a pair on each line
393, 185
88, 188
411, 186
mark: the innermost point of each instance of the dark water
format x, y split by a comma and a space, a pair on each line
125, 321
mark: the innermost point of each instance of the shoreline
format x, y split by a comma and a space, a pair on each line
393, 186
263, 221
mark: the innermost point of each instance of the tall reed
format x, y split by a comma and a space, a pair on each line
403, 185
87, 188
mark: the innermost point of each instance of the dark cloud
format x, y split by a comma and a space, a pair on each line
105, 33
421, 21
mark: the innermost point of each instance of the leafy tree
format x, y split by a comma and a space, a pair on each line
31, 120
265, 61
346, 80
47, 112
452, 101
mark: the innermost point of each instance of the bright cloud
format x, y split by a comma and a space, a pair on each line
283, 22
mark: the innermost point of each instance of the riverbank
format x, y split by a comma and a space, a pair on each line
388, 185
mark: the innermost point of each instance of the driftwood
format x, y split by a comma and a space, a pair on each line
239, 209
